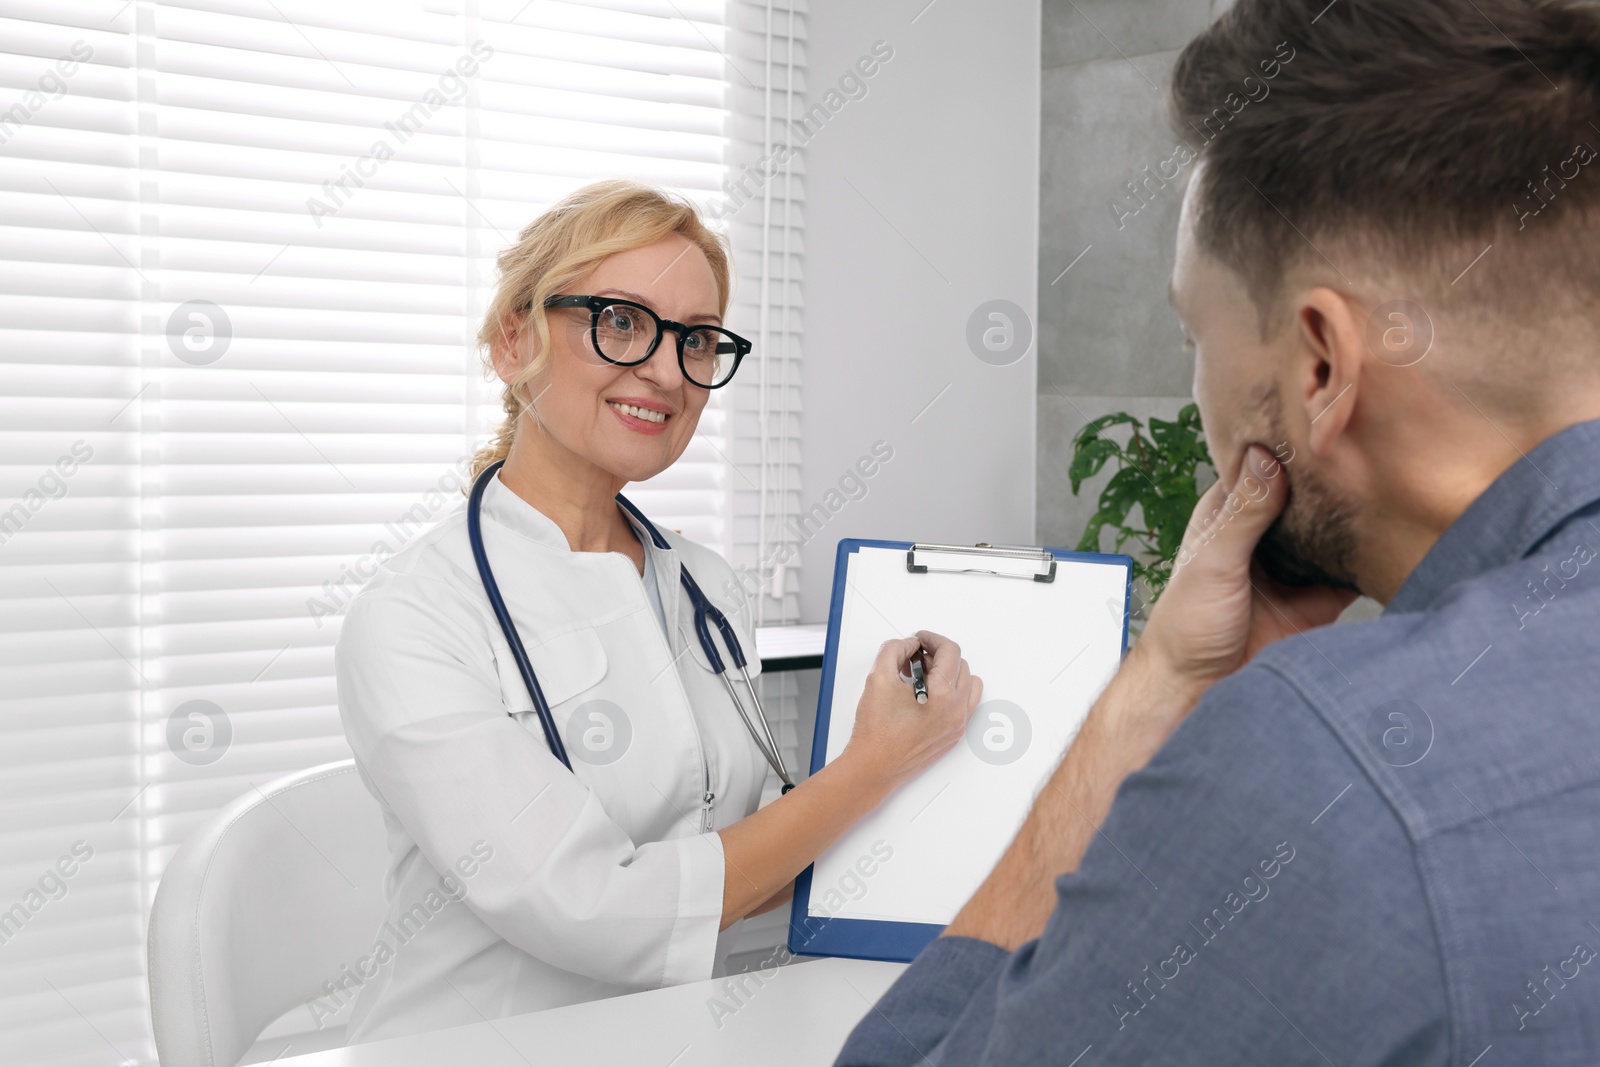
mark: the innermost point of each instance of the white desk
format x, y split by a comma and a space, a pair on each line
798, 1018
792, 647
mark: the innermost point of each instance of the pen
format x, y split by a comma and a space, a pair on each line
919, 680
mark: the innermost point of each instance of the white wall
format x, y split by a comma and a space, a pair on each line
922, 204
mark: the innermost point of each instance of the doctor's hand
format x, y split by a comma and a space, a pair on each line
895, 738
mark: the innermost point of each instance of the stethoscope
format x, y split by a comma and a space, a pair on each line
705, 614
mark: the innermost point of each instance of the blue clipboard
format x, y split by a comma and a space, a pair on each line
815, 935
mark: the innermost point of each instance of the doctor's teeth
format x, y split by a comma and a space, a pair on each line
639, 413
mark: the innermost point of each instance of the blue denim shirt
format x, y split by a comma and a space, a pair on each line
1379, 843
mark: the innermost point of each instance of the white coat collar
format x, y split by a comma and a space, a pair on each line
506, 508
520, 517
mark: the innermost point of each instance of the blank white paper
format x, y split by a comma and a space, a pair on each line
1047, 648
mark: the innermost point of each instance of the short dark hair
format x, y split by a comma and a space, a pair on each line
1411, 132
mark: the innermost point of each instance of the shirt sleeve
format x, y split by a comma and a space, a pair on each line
1248, 896
420, 699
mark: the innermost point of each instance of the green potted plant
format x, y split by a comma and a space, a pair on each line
1155, 471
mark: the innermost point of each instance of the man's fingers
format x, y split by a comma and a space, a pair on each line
1206, 509
1229, 523
1264, 488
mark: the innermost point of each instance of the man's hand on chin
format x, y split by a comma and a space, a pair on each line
1214, 614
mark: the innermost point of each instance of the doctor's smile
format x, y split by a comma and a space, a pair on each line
636, 410
552, 642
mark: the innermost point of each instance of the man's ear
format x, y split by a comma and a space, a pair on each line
515, 334
1333, 351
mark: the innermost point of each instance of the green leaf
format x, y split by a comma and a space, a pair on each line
1122, 492
1088, 458
1154, 472
1167, 435
1094, 427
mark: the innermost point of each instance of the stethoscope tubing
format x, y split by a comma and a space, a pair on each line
497, 603
704, 610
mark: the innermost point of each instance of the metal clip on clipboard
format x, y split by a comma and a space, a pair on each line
1041, 558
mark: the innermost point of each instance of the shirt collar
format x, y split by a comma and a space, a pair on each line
1512, 517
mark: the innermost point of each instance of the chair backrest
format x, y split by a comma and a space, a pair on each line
264, 902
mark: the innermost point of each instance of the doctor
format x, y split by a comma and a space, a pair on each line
516, 884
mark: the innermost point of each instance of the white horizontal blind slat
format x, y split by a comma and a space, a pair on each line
761, 205
69, 529
200, 496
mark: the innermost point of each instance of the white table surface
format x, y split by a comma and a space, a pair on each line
794, 639
798, 1018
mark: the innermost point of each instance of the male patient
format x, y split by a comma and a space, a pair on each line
1378, 842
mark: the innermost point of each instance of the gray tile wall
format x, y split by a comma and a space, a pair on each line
1107, 339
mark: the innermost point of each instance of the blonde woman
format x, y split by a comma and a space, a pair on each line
516, 883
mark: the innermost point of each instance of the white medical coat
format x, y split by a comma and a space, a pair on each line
515, 885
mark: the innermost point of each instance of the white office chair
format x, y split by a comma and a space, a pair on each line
266, 900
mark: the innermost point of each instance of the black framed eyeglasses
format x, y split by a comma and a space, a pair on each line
627, 333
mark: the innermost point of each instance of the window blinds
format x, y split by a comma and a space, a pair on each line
761, 202
244, 248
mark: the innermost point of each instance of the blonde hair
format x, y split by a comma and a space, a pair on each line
563, 245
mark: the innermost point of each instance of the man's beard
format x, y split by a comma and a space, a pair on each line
1311, 542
